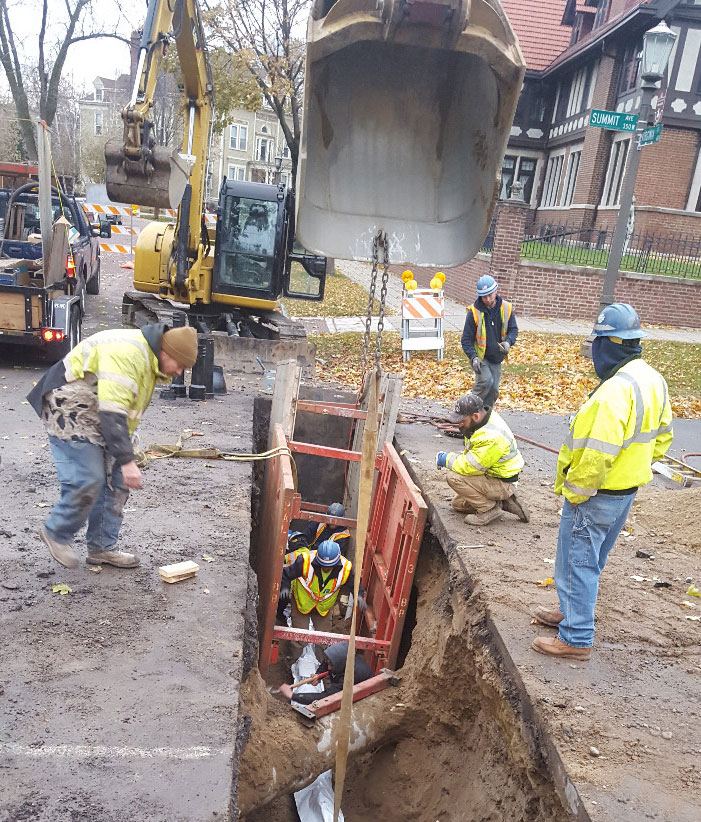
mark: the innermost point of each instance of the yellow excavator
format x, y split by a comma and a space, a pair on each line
226, 277
408, 108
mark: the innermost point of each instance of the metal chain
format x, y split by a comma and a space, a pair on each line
382, 237
371, 300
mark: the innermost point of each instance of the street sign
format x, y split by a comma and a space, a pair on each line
614, 120
651, 135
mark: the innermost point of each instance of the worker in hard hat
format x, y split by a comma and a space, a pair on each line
484, 476
489, 333
318, 532
331, 672
312, 580
622, 428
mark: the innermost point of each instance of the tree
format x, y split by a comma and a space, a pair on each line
261, 33
77, 25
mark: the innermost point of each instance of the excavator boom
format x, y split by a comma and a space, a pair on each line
408, 108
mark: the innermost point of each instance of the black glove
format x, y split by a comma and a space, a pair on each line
285, 594
504, 347
477, 365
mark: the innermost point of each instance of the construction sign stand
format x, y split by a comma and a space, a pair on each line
423, 311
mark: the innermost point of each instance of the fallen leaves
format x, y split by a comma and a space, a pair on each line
342, 298
61, 588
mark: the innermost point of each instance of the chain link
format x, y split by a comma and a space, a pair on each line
379, 243
371, 300
383, 297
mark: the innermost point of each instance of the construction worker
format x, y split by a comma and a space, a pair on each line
312, 581
489, 333
318, 532
484, 476
91, 403
622, 428
331, 669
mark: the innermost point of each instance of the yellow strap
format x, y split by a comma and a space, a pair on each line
367, 475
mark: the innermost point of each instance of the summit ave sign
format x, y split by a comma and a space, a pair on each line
614, 120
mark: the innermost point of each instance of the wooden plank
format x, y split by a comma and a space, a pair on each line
283, 410
178, 571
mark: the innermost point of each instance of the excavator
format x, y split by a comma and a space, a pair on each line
224, 278
407, 111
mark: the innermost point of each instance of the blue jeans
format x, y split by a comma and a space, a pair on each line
86, 494
587, 534
487, 382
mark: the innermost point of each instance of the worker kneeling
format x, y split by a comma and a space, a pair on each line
331, 670
484, 476
312, 581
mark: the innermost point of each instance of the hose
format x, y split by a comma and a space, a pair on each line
690, 454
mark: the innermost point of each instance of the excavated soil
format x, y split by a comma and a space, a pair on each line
454, 740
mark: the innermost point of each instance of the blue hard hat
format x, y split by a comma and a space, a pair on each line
336, 510
619, 320
486, 285
328, 553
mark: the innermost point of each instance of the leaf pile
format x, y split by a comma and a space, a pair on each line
544, 372
342, 298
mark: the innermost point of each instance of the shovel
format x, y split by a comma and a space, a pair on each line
286, 690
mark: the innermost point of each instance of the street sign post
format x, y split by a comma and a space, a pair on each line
651, 135
614, 120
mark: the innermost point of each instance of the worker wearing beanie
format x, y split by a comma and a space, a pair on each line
91, 403
490, 332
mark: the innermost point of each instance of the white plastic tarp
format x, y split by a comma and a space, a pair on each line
315, 802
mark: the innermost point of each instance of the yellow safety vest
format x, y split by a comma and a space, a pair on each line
337, 537
491, 450
307, 593
126, 369
505, 310
624, 426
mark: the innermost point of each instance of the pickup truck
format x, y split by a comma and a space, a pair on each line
34, 311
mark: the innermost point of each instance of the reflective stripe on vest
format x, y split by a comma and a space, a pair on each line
505, 310
339, 535
307, 593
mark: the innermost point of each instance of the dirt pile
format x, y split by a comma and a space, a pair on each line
452, 735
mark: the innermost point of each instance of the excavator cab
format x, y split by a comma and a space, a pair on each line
256, 259
408, 108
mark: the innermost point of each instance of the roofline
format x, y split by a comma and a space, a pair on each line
640, 12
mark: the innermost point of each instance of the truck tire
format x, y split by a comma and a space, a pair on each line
93, 284
74, 336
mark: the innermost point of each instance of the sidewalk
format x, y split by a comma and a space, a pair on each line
455, 315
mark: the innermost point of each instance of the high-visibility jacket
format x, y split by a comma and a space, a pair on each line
624, 426
491, 450
338, 536
126, 368
505, 310
307, 592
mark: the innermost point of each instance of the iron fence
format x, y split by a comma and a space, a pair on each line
675, 255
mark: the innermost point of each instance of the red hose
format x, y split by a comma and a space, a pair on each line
537, 444
690, 454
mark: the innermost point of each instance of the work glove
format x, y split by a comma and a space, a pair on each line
362, 604
441, 459
285, 594
477, 365
504, 347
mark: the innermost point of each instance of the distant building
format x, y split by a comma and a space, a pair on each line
100, 113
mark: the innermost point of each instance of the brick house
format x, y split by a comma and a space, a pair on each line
584, 54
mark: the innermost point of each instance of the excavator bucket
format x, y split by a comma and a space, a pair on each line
158, 180
408, 108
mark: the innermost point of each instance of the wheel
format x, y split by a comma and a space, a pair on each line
93, 284
74, 336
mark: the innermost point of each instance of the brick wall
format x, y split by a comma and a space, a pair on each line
666, 169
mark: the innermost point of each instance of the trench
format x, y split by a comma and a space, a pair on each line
456, 740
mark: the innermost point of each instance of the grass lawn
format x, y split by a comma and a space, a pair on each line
342, 298
671, 266
544, 372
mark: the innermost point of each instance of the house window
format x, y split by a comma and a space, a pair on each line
615, 171
571, 177
517, 168
238, 137
99, 94
552, 181
98, 122
602, 13
237, 173
285, 151
577, 88
264, 150
630, 68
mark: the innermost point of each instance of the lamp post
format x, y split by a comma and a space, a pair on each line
278, 168
657, 47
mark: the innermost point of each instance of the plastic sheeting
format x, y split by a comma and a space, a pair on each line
305, 667
315, 802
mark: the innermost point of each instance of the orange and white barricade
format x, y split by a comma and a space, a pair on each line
423, 312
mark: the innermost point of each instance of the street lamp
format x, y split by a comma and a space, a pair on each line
657, 47
278, 167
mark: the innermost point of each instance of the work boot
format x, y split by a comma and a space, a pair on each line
484, 518
513, 505
555, 647
548, 616
62, 552
120, 559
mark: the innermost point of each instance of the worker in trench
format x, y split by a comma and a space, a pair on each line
91, 403
622, 428
318, 532
312, 582
485, 475
331, 671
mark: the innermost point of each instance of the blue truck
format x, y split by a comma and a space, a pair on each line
37, 309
